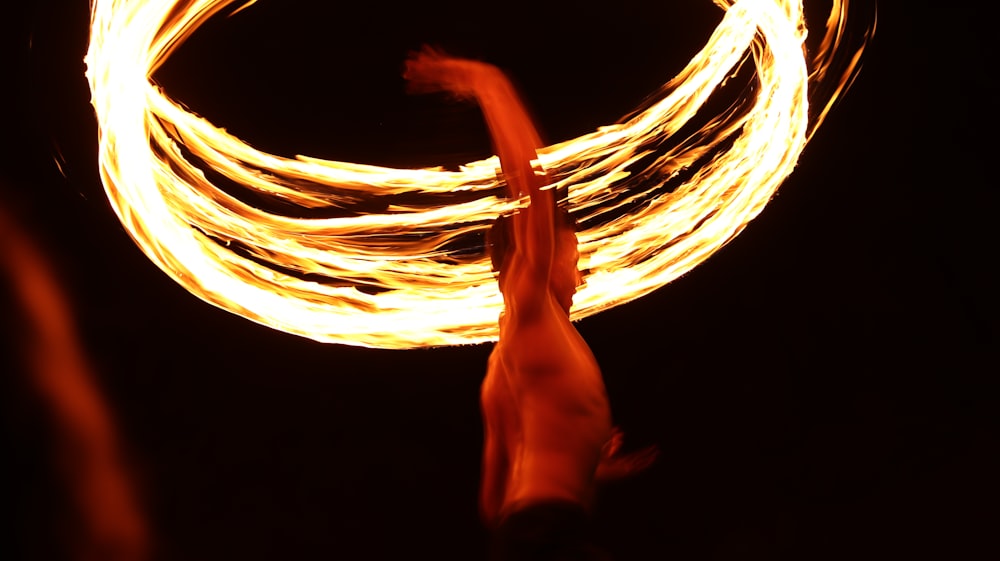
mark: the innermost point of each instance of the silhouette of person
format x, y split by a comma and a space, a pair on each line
548, 430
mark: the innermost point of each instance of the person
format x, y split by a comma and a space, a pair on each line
547, 419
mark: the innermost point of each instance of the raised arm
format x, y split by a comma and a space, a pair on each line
514, 139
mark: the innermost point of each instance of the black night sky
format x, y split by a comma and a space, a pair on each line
822, 388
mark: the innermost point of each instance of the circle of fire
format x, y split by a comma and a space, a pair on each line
651, 207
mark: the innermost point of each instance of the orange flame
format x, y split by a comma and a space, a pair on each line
393, 279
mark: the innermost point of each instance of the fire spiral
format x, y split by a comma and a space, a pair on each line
653, 200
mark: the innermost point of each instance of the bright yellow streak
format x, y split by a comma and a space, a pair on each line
640, 234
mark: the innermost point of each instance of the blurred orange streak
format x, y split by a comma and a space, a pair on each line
87, 446
653, 200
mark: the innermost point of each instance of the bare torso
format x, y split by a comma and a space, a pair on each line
547, 413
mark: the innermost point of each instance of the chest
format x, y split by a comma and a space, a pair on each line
549, 345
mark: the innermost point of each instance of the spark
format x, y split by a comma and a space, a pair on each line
652, 206
243, 7
59, 160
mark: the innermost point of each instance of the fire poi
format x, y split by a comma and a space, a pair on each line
393, 278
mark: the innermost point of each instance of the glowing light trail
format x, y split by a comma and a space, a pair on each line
109, 521
653, 207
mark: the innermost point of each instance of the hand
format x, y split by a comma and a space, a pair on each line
614, 465
431, 70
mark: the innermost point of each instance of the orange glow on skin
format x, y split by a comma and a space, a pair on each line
396, 281
545, 408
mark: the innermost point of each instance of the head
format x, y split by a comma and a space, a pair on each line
500, 241
564, 276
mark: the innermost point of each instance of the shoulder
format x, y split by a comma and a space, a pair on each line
544, 341
526, 295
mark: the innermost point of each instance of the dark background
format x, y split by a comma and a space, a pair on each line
822, 388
